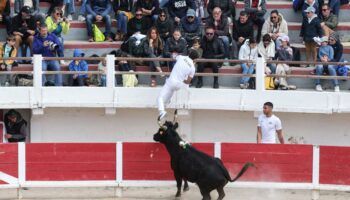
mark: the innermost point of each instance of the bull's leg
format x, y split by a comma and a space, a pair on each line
178, 184
186, 188
221, 193
205, 194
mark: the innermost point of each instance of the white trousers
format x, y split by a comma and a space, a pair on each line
167, 92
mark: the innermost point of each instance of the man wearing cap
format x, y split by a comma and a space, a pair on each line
326, 54
23, 27
311, 28
191, 26
329, 21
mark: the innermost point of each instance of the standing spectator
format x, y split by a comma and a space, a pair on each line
178, 9
63, 4
153, 48
310, 28
16, 127
329, 21
248, 51
224, 5
139, 24
8, 50
242, 30
164, 25
175, 45
310, 3
58, 25
326, 54
268, 125
78, 65
221, 27
34, 5
48, 45
337, 47
333, 4
123, 12
23, 27
191, 26
212, 49
266, 49
256, 10
99, 10
150, 8
5, 12
276, 27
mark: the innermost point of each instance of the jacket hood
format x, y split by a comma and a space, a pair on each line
13, 112
78, 53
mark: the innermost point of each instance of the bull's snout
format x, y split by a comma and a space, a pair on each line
156, 137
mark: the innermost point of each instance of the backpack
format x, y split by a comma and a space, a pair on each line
135, 47
296, 56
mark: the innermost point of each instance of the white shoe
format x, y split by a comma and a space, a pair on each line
336, 88
241, 86
162, 115
70, 17
81, 18
7, 84
319, 88
63, 62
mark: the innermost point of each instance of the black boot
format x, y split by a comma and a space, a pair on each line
199, 82
216, 83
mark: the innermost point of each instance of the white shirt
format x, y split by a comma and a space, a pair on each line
183, 68
269, 126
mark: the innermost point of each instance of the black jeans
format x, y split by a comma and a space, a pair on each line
7, 21
259, 22
79, 81
214, 66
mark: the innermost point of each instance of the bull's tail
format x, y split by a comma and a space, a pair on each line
245, 167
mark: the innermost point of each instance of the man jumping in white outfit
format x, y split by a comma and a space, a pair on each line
181, 76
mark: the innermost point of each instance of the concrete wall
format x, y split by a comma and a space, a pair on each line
93, 125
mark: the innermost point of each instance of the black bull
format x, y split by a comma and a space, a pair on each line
190, 164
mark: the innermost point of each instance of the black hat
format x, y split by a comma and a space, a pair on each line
26, 9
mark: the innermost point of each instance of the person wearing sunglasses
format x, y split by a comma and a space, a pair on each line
329, 21
164, 25
334, 5
191, 26
276, 27
139, 23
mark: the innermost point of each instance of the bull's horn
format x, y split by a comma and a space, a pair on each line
175, 116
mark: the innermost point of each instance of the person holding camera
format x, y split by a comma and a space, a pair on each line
48, 45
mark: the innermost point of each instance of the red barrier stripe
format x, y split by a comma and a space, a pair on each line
278, 163
9, 159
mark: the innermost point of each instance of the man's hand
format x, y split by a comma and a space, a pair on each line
99, 18
8, 136
322, 24
17, 33
46, 43
177, 20
151, 43
31, 32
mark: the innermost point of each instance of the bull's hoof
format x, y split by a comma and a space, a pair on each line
178, 194
186, 189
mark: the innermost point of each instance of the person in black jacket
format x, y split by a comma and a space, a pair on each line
226, 7
191, 26
150, 8
164, 25
123, 12
175, 45
212, 49
139, 24
16, 126
337, 47
5, 12
242, 30
178, 9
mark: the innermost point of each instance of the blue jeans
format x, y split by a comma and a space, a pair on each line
246, 70
90, 19
70, 6
320, 69
122, 22
83, 8
162, 3
272, 67
103, 80
226, 42
52, 65
335, 6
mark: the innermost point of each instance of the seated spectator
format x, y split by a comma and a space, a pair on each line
224, 5
78, 65
23, 27
34, 5
5, 15
16, 127
200, 4
221, 26
284, 53
139, 24
276, 27
99, 10
164, 25
242, 30
329, 21
266, 49
178, 9
248, 51
191, 26
82, 12
48, 45
334, 5
123, 11
102, 67
196, 46
256, 10
337, 47
310, 3
58, 25
8, 50
153, 48
175, 45
212, 49
63, 4
150, 8
310, 28
326, 54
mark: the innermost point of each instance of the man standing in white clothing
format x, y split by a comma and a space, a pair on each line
181, 76
268, 125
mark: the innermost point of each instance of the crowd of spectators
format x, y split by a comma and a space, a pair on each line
167, 28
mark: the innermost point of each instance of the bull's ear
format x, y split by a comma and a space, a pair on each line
176, 125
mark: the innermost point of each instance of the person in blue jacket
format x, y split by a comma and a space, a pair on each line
76, 66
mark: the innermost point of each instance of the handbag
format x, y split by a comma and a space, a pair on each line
269, 83
97, 33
